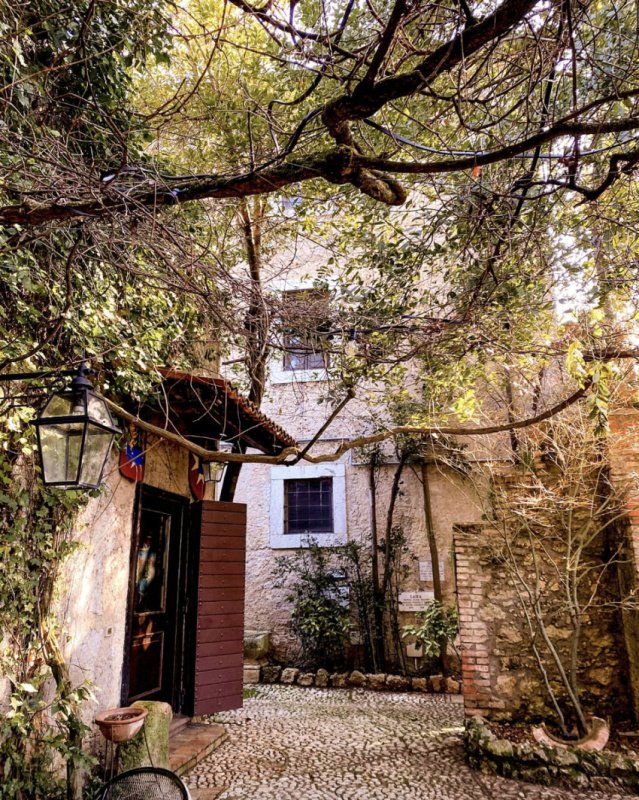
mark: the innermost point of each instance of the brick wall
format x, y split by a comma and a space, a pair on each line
479, 662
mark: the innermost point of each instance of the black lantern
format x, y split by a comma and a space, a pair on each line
75, 435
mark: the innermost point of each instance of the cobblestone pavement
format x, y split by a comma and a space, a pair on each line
291, 743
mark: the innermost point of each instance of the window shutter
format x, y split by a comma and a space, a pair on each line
219, 613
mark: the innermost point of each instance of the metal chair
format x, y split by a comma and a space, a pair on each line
144, 783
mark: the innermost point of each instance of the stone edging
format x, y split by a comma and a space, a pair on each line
322, 679
546, 765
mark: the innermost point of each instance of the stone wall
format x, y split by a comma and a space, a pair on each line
499, 673
323, 679
571, 767
298, 404
453, 500
624, 465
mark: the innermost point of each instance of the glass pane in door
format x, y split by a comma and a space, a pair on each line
151, 562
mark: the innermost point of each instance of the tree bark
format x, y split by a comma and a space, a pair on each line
430, 534
379, 654
256, 324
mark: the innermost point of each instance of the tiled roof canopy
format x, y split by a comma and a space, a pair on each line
204, 408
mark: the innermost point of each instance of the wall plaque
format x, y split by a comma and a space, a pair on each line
426, 570
414, 601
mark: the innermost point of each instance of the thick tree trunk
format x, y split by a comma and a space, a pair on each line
256, 324
430, 534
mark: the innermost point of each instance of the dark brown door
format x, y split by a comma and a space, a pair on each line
157, 599
218, 618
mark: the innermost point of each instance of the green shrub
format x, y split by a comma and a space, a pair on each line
438, 625
320, 617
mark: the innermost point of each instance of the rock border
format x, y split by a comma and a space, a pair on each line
269, 674
544, 765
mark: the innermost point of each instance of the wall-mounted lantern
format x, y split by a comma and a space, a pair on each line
75, 436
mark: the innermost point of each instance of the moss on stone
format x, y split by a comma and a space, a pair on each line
153, 739
544, 765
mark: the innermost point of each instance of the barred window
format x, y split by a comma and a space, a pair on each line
308, 505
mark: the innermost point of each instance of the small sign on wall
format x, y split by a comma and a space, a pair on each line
414, 601
426, 570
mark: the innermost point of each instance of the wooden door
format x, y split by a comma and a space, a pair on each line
157, 599
219, 615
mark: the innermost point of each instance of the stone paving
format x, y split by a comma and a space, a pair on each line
291, 743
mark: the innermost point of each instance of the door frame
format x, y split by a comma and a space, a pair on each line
144, 492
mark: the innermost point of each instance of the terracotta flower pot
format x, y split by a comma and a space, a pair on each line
595, 739
120, 724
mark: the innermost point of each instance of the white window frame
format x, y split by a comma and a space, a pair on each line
289, 541
277, 373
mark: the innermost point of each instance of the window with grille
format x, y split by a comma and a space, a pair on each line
308, 505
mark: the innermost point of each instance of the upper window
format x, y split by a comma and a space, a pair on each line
308, 505
305, 326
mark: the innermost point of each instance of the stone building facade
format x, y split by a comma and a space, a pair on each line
93, 589
149, 603
295, 400
499, 679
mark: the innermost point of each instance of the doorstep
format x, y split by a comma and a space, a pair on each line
193, 743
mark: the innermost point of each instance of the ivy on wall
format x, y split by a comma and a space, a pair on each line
40, 723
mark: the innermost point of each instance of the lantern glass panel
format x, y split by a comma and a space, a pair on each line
213, 471
61, 447
98, 410
96, 451
60, 405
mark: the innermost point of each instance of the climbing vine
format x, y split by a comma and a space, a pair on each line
41, 722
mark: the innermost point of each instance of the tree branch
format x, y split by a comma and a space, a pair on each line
340, 165
556, 131
366, 100
399, 9
360, 441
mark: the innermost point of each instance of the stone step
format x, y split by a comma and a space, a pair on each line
178, 722
192, 744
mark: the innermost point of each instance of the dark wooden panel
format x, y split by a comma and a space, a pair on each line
210, 594
224, 607
220, 506
236, 527
220, 662
209, 649
213, 635
230, 539
215, 704
214, 554
223, 518
219, 568
220, 621
220, 608
221, 582
214, 677
222, 542
228, 690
